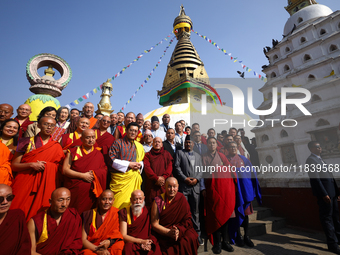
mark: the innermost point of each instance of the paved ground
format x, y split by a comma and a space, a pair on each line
286, 241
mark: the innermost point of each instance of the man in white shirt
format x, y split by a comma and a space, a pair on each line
156, 130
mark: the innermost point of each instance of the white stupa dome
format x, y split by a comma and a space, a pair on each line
306, 14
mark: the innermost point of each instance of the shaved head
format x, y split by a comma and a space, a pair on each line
59, 191
137, 192
88, 132
171, 180
107, 191
45, 118
6, 192
6, 112
4, 187
60, 200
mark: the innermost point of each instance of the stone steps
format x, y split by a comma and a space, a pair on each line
261, 222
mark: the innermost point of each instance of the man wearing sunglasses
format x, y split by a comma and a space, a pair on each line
324, 187
14, 237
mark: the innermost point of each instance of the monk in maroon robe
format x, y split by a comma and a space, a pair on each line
71, 140
220, 196
36, 162
136, 228
56, 230
88, 111
24, 112
104, 138
158, 167
85, 173
104, 141
171, 221
14, 237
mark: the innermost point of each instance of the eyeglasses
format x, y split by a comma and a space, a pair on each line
24, 110
8, 198
106, 121
318, 147
48, 125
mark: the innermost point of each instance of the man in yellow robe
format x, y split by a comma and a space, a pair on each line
127, 155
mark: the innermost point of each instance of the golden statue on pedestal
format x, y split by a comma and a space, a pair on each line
104, 106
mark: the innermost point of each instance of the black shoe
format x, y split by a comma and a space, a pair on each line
248, 242
227, 247
200, 241
335, 249
239, 241
217, 249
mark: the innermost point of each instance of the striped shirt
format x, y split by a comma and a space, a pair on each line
123, 149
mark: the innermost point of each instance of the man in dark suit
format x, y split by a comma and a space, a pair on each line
326, 190
199, 147
189, 179
169, 144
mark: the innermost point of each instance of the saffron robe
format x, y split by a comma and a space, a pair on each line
220, 189
6, 176
33, 189
177, 213
123, 184
122, 133
249, 189
139, 228
23, 126
98, 230
156, 163
14, 236
84, 194
65, 238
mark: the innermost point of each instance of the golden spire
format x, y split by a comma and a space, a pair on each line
104, 106
49, 71
296, 5
185, 63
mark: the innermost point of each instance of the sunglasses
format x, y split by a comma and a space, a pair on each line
8, 198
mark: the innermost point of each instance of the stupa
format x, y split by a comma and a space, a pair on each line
185, 84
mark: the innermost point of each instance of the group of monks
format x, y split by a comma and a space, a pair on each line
78, 190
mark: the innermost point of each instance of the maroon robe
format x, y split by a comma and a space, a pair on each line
104, 141
82, 196
23, 126
156, 163
220, 189
177, 213
65, 238
14, 236
139, 228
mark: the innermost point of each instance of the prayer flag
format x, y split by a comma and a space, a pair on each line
72, 104
68, 106
80, 99
76, 101
84, 97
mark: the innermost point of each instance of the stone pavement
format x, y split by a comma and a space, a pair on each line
285, 241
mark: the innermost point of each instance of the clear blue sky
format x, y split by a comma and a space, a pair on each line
99, 38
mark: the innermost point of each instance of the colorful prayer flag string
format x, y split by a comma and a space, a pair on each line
231, 58
149, 75
95, 90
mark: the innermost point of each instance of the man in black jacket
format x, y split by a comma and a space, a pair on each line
170, 144
326, 190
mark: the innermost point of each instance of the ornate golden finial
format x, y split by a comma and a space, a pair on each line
181, 12
104, 106
49, 71
296, 5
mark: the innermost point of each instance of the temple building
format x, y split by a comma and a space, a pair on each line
185, 84
307, 57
